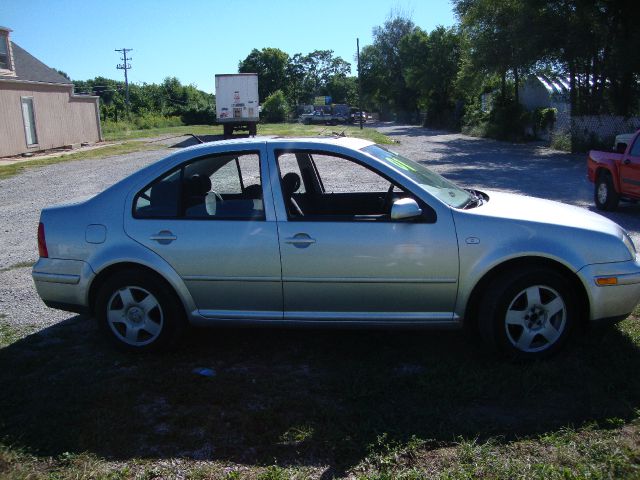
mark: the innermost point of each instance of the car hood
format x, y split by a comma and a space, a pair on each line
537, 210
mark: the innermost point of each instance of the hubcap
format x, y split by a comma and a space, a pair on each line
602, 192
135, 316
535, 319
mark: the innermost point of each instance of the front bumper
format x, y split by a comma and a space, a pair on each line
63, 284
610, 303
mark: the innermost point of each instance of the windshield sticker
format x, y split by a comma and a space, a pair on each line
399, 163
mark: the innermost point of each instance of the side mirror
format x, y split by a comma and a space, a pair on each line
405, 208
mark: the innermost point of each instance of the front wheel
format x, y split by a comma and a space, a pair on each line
528, 314
605, 195
139, 312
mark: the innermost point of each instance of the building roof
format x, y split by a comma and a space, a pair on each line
29, 68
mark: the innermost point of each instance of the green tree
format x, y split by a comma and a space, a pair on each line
342, 89
275, 108
271, 66
382, 66
431, 64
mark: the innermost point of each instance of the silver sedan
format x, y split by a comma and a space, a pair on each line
329, 232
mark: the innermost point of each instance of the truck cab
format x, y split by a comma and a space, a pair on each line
616, 174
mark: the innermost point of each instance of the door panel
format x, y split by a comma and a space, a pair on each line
226, 265
212, 220
369, 271
368, 268
630, 171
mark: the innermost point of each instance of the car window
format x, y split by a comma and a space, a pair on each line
225, 186
325, 187
431, 182
288, 163
160, 200
340, 175
635, 150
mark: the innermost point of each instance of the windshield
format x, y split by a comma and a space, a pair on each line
433, 183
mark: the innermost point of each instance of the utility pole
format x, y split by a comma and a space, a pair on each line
125, 66
359, 84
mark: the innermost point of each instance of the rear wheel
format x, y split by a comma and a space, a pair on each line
528, 314
139, 312
605, 195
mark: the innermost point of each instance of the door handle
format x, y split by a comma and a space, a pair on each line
300, 240
627, 161
163, 237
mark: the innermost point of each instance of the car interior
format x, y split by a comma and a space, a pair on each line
344, 191
212, 187
316, 186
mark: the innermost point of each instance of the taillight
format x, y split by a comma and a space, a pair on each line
42, 243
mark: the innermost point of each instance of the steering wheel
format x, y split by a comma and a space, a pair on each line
388, 199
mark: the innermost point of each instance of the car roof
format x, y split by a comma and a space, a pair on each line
347, 142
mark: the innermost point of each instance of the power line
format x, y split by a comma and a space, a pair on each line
125, 66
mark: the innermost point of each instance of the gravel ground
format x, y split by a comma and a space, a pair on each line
485, 164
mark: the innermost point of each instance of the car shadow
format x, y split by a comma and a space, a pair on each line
298, 397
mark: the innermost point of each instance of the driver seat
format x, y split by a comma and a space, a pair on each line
290, 184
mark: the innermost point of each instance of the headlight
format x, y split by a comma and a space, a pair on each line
626, 239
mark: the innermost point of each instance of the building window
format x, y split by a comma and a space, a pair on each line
29, 121
4, 52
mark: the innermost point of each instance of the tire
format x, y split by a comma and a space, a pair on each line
528, 314
139, 312
605, 195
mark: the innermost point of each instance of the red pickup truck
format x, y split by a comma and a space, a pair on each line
616, 174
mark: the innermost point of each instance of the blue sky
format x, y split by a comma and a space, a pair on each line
195, 39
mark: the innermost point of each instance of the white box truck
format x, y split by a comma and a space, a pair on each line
237, 103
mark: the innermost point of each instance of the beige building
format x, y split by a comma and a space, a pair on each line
38, 109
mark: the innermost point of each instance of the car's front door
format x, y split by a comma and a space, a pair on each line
630, 170
342, 256
213, 222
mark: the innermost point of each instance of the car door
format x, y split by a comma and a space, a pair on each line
343, 261
630, 170
212, 220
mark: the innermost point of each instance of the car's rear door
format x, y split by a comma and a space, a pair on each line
219, 234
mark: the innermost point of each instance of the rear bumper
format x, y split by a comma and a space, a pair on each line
612, 303
63, 284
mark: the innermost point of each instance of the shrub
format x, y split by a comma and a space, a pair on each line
275, 107
199, 116
561, 141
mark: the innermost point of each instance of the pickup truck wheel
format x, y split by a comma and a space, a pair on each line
528, 314
138, 312
605, 195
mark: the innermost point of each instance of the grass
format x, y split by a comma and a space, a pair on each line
107, 151
279, 129
311, 404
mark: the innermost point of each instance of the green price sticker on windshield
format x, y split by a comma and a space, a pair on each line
399, 163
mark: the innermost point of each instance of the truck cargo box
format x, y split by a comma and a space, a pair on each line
237, 98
